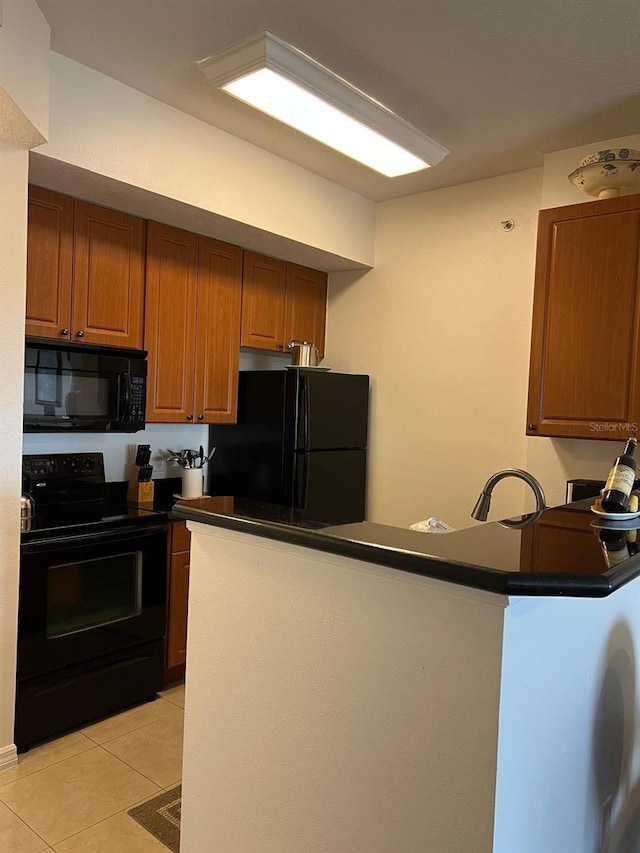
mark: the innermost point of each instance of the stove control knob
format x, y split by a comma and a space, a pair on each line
89, 464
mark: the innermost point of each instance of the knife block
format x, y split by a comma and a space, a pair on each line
139, 493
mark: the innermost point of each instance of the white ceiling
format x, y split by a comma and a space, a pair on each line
498, 82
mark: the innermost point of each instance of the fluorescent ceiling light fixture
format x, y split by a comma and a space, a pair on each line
288, 85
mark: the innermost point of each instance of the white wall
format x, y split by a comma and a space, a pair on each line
24, 34
562, 760
104, 127
24, 74
119, 449
442, 324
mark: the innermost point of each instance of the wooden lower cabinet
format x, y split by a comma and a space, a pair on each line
179, 544
564, 541
177, 601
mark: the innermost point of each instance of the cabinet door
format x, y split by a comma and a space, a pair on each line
562, 541
263, 297
219, 297
306, 306
170, 323
108, 279
49, 264
177, 610
586, 322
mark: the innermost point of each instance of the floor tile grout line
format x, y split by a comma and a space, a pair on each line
126, 734
84, 828
111, 755
177, 705
92, 742
131, 731
104, 819
92, 746
22, 820
115, 716
135, 769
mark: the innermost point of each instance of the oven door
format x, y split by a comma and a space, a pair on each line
86, 596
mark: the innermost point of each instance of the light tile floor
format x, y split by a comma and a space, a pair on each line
72, 795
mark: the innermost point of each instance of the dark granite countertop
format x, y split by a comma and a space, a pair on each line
565, 551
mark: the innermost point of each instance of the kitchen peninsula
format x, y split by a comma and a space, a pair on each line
369, 688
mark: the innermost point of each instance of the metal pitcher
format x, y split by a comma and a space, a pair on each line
303, 354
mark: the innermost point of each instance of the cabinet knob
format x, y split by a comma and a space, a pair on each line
532, 427
200, 417
189, 417
80, 334
64, 331
280, 346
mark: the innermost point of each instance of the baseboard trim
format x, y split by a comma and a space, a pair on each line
8, 757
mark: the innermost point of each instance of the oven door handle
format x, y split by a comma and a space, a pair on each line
112, 536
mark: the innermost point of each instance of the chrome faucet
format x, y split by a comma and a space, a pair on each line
481, 509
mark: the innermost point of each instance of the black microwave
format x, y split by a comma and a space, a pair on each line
83, 388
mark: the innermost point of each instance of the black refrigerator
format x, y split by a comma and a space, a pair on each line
300, 441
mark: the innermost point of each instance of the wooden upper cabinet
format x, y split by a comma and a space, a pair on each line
192, 327
264, 285
584, 377
108, 280
282, 302
305, 306
85, 272
49, 264
219, 300
170, 322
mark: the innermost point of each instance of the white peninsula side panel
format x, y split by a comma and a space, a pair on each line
569, 753
334, 705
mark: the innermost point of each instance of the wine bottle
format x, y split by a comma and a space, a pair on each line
622, 475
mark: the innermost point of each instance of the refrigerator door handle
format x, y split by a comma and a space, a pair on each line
303, 496
304, 406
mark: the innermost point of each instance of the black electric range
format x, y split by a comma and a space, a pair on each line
92, 609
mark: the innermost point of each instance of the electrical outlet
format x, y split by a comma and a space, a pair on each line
159, 465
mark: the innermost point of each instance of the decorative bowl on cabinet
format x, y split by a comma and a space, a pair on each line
604, 173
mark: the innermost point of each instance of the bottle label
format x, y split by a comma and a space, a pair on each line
621, 478
617, 555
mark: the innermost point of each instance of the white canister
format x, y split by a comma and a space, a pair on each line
191, 482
